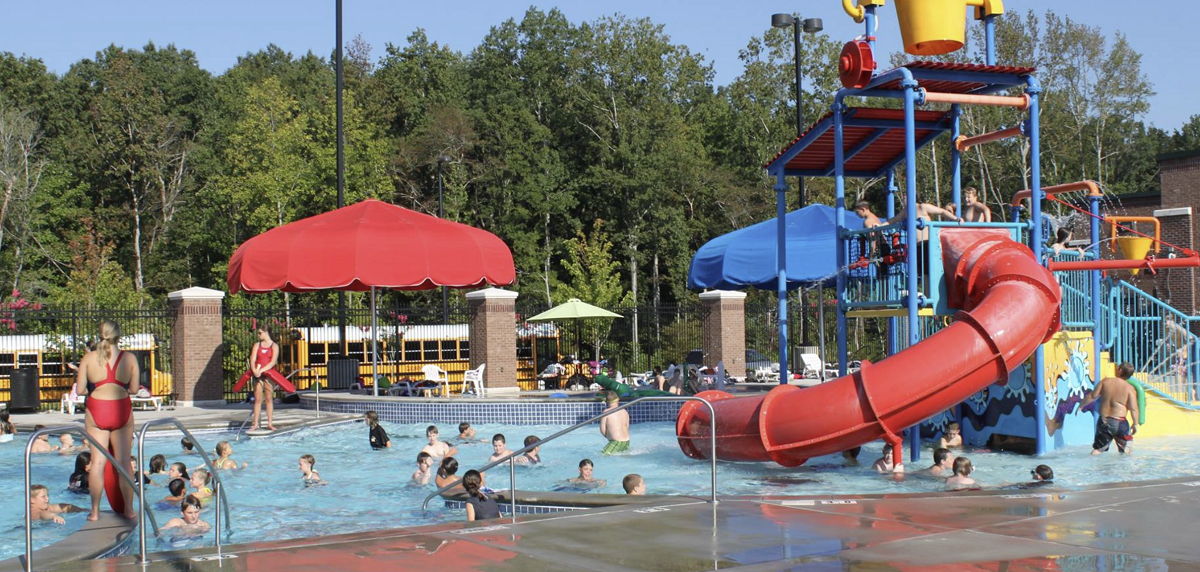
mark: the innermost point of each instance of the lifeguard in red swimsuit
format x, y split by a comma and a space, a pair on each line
265, 354
108, 376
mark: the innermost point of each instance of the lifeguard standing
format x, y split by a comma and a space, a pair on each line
263, 357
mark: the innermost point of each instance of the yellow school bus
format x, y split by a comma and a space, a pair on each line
50, 355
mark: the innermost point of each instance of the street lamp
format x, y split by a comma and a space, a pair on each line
441, 160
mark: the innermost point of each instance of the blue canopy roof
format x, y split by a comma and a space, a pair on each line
747, 256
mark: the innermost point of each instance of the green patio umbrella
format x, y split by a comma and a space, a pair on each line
573, 309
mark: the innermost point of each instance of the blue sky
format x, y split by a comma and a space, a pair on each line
61, 32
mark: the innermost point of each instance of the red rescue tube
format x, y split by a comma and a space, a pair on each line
271, 374
1011, 306
112, 486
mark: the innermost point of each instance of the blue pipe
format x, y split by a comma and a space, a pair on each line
1035, 237
989, 33
870, 26
893, 343
1094, 237
839, 205
781, 261
910, 228
955, 161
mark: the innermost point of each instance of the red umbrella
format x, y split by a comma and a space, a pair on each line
369, 245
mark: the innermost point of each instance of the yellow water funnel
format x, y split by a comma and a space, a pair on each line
934, 27
1134, 247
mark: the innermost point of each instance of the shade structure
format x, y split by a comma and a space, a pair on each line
747, 257
370, 244
571, 310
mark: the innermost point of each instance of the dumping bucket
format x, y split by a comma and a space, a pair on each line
932, 27
1134, 247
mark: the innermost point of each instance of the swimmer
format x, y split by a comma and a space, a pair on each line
189, 523
499, 448
424, 464
42, 444
178, 490
200, 480
379, 437
466, 432
634, 484
943, 463
189, 448
850, 456
308, 474
136, 472
961, 478
1042, 475
445, 476
158, 465
885, 464
586, 468
436, 448
67, 445
7, 431
479, 505
224, 452
530, 457
952, 438
40, 507
615, 427
178, 471
78, 483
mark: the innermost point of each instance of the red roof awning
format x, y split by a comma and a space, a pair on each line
873, 141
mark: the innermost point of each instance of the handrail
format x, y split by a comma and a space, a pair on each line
513, 485
237, 435
224, 502
122, 470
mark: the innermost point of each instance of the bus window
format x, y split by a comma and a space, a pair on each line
524, 348
316, 354
412, 351
6, 364
52, 363
431, 350
355, 350
27, 361
464, 349
449, 351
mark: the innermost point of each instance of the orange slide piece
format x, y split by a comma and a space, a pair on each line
1010, 306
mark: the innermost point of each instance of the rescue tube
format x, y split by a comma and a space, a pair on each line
271, 374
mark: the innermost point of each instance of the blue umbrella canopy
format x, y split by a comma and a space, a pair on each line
747, 256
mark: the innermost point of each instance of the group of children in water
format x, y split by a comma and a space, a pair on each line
956, 470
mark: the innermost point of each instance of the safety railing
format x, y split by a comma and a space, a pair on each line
1156, 338
221, 500
237, 435
511, 458
123, 470
1076, 312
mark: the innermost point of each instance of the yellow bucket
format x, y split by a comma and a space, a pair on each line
1134, 247
932, 27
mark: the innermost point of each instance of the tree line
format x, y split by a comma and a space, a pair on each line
602, 152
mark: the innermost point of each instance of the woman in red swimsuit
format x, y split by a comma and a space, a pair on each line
263, 357
108, 376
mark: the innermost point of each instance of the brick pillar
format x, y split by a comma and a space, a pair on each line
196, 352
725, 330
493, 334
1177, 286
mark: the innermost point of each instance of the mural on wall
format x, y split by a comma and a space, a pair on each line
1068, 380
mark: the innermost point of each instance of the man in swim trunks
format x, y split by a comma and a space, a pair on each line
1118, 399
615, 427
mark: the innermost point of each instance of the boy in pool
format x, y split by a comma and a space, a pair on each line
41, 509
530, 457
224, 457
885, 464
634, 484
200, 480
436, 448
585, 476
943, 463
466, 432
178, 490
42, 444
850, 456
189, 448
424, 464
615, 427
952, 438
499, 448
189, 523
67, 445
309, 475
961, 478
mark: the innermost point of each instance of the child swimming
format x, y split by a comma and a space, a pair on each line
40, 507
67, 445
961, 478
466, 432
424, 464
437, 448
200, 480
224, 460
952, 438
158, 465
178, 471
499, 448
379, 437
445, 476
78, 483
178, 490
7, 431
530, 457
309, 475
42, 444
189, 523
585, 478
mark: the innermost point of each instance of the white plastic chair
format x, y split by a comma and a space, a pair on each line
812, 365
144, 399
475, 378
69, 401
437, 375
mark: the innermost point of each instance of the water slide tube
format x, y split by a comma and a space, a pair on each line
1010, 306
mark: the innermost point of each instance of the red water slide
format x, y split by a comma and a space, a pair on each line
1010, 306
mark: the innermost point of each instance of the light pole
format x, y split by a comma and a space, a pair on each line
442, 159
811, 26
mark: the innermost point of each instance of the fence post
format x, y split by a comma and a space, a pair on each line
196, 351
493, 338
724, 314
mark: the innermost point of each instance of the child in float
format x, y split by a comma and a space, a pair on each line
952, 438
178, 490
466, 432
189, 523
40, 507
530, 457
446, 475
961, 478
436, 448
586, 478
499, 448
78, 483
634, 484
177, 471
7, 431
200, 481
42, 444
424, 469
480, 506
309, 475
263, 357
378, 437
224, 454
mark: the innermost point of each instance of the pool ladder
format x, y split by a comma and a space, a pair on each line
511, 458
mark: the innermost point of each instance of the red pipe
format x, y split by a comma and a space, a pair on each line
1144, 264
963, 143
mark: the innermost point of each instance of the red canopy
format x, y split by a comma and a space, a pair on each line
371, 243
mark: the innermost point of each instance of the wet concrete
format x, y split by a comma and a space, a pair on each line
1140, 526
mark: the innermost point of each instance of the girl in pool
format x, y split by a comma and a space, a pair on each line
78, 482
178, 471
479, 505
108, 376
379, 437
309, 475
200, 480
224, 452
445, 476
7, 431
158, 465
189, 523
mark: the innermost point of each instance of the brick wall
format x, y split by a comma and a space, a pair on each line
1180, 180
725, 330
1177, 286
196, 355
493, 336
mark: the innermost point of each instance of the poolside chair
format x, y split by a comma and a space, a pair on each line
474, 377
70, 401
812, 365
436, 375
144, 399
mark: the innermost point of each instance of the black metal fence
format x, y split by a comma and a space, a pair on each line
47, 341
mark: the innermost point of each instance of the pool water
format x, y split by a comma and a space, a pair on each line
370, 490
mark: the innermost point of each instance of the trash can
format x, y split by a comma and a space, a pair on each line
343, 372
25, 395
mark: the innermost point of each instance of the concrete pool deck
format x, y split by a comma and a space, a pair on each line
1141, 526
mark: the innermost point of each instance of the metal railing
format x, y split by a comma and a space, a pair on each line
222, 502
123, 470
1156, 338
511, 458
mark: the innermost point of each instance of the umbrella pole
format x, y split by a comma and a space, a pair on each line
374, 347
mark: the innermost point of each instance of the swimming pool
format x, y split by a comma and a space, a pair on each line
369, 490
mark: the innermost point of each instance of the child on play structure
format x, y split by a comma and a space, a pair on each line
952, 438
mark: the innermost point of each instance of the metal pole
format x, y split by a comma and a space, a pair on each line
804, 334
781, 261
28, 510
442, 214
141, 485
341, 173
839, 203
955, 161
1094, 275
374, 347
821, 319
217, 511
1035, 237
512, 488
989, 33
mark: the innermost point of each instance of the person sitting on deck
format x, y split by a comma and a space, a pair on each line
480, 506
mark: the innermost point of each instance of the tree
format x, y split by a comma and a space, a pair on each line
594, 279
21, 164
